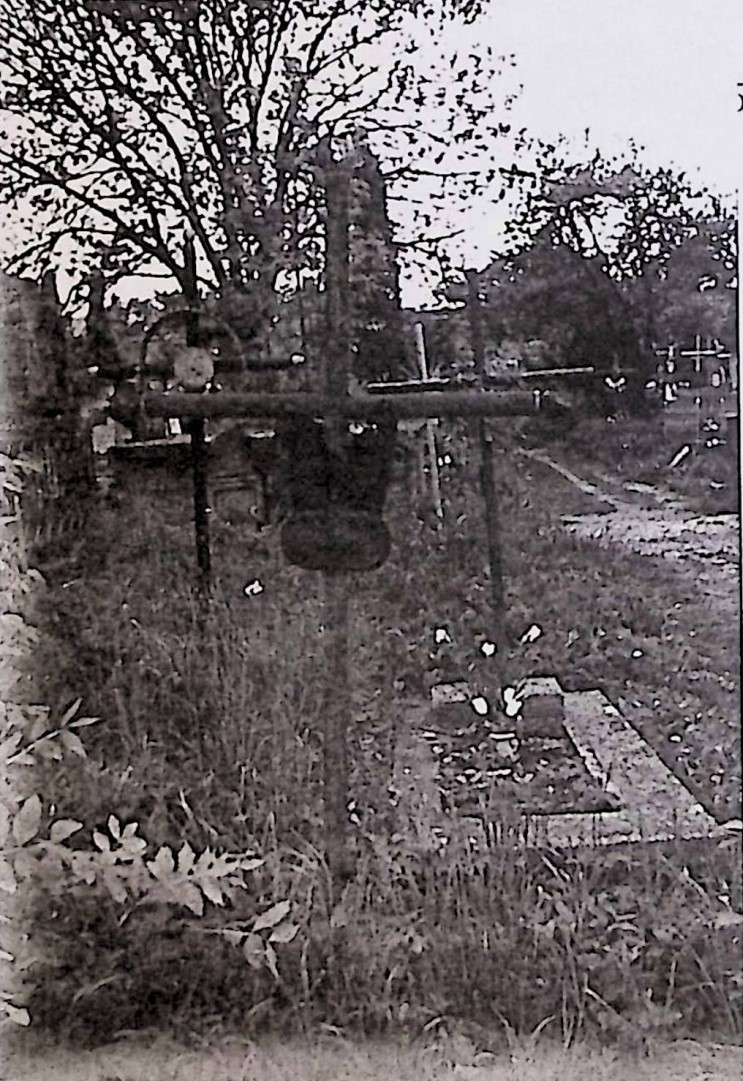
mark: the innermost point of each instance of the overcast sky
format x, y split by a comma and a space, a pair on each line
661, 73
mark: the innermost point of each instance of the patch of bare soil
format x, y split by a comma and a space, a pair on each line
653, 523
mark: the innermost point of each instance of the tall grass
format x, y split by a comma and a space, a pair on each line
707, 479
211, 732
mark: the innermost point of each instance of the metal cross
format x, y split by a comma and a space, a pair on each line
336, 406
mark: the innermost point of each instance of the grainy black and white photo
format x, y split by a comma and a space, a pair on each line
370, 540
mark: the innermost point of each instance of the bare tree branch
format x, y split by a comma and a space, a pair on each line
214, 123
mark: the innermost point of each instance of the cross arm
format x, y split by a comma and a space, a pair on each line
362, 406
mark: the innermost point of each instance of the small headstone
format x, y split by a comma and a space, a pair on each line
543, 710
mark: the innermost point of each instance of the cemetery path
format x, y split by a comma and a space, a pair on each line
650, 522
667, 582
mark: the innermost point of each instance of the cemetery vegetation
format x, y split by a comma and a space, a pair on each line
161, 778
162, 794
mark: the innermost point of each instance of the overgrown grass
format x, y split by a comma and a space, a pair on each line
644, 631
211, 732
335, 1057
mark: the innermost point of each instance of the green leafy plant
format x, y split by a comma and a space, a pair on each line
44, 862
44, 857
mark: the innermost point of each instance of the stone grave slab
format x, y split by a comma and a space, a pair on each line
647, 801
655, 805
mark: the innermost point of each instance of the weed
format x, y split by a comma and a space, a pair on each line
210, 740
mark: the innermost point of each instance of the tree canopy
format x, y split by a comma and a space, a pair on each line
130, 127
606, 264
614, 261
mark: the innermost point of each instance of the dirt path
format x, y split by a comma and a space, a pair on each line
653, 523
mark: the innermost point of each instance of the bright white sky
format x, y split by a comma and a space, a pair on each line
663, 73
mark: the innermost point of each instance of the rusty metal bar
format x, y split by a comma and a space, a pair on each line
199, 460
405, 386
488, 488
535, 373
437, 403
492, 379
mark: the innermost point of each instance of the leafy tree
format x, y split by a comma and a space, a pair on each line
639, 227
694, 291
596, 255
549, 294
131, 127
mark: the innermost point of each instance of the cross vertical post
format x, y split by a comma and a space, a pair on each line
433, 459
335, 379
487, 483
197, 432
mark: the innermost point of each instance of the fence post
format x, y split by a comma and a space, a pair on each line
433, 458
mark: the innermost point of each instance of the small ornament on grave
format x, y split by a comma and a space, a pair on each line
193, 368
336, 495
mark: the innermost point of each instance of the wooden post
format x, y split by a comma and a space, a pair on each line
197, 430
335, 378
487, 486
420, 348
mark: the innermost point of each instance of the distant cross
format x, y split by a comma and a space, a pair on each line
724, 356
697, 353
667, 364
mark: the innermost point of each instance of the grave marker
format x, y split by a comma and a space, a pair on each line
327, 414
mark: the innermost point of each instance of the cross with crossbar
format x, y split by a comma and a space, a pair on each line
335, 406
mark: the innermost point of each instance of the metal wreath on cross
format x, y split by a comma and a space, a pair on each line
336, 492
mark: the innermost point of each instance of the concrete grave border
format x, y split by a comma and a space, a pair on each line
655, 806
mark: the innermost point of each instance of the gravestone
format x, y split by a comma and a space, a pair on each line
645, 801
40, 419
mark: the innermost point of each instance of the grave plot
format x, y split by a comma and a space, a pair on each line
567, 765
482, 762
